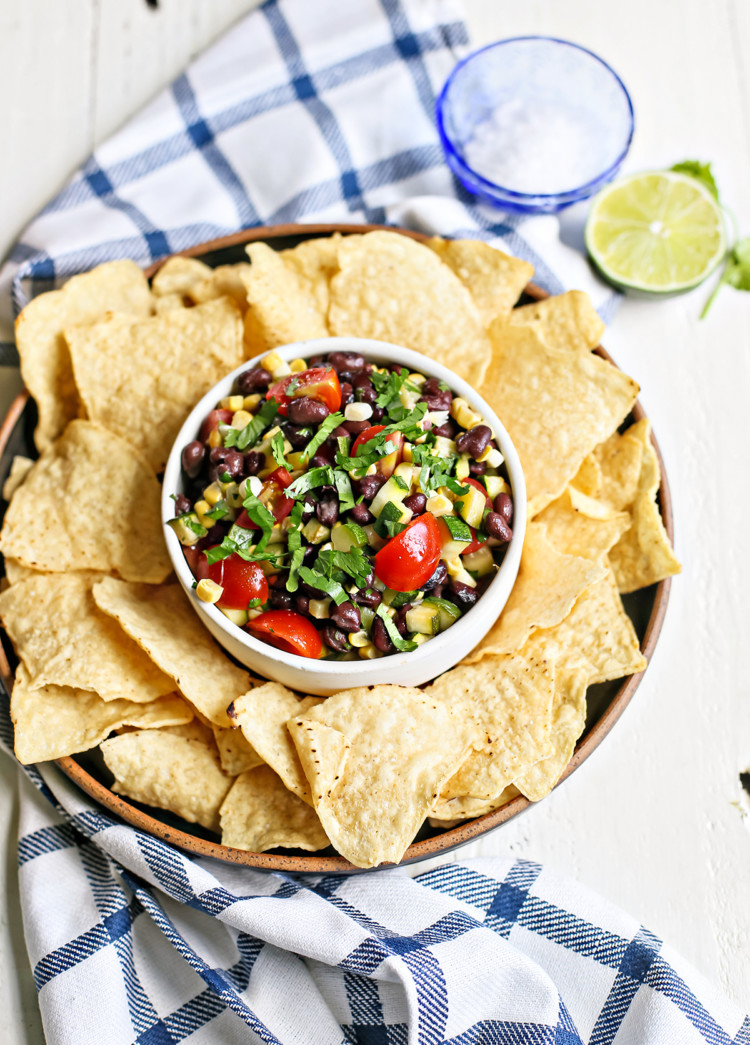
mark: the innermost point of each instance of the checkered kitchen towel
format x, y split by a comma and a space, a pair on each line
315, 111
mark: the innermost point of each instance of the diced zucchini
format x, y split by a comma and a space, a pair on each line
471, 506
447, 611
315, 532
457, 572
495, 484
188, 529
451, 548
373, 539
423, 619
438, 505
320, 609
419, 640
238, 617
444, 447
345, 536
393, 492
463, 470
405, 472
480, 561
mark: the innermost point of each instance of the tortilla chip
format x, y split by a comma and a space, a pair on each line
620, 458
64, 639
568, 721
224, 281
579, 525
179, 275
170, 302
316, 261
262, 715
236, 754
259, 813
547, 585
507, 701
89, 503
16, 571
596, 640
283, 308
162, 621
644, 555
118, 286
170, 772
140, 380
557, 406
566, 321
588, 479
377, 766
55, 721
450, 812
495, 280
195, 730
394, 289
19, 468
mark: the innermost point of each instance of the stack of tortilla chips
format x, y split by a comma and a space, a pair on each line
110, 652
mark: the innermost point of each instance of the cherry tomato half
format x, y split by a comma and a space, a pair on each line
386, 465
476, 542
241, 580
409, 559
272, 496
214, 419
287, 631
321, 382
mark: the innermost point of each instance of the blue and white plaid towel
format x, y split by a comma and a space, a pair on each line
317, 112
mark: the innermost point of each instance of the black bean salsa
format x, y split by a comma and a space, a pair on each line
337, 508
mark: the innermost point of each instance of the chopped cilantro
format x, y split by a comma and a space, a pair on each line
309, 480
330, 424
402, 645
277, 449
219, 511
247, 436
326, 584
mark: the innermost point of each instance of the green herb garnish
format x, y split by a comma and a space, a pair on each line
331, 587
309, 480
402, 645
247, 436
330, 424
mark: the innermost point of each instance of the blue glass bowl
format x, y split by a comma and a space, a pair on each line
533, 124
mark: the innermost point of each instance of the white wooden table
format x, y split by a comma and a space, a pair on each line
654, 820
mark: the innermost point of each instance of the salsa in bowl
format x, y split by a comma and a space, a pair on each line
345, 512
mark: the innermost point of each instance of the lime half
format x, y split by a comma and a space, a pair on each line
659, 232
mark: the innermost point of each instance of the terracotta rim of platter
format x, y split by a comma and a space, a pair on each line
454, 837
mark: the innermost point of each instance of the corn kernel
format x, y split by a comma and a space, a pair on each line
200, 508
213, 494
417, 379
271, 360
439, 505
463, 414
214, 438
369, 652
359, 639
208, 590
494, 458
232, 402
297, 366
251, 402
241, 418
233, 496
408, 452
463, 471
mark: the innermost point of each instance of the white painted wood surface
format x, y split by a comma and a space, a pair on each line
653, 820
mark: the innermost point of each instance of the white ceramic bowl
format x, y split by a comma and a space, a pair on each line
325, 677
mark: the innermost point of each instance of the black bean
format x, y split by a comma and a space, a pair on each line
483, 583
496, 526
334, 638
356, 427
304, 410
347, 393
314, 593
327, 508
314, 361
475, 441
380, 636
416, 503
281, 600
400, 619
437, 591
369, 486
432, 386
182, 504
217, 454
347, 617
447, 430
362, 515
504, 505
234, 464
308, 508
377, 415
346, 361
253, 461
440, 401
440, 576
193, 456
462, 594
321, 459
477, 467
340, 433
297, 436
257, 379
310, 555
302, 604
368, 597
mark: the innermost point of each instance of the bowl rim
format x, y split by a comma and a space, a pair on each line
361, 669
568, 195
452, 838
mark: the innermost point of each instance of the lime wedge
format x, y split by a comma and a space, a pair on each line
659, 232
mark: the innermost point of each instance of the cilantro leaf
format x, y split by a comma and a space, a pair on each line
309, 480
294, 544
330, 424
402, 645
736, 271
277, 449
326, 584
700, 171
247, 436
